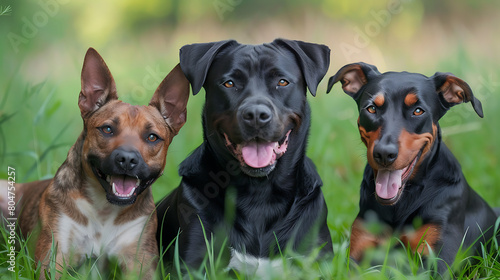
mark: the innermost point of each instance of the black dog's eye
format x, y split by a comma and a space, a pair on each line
229, 84
283, 83
418, 112
152, 137
106, 129
372, 109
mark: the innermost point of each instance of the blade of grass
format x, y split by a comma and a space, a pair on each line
51, 147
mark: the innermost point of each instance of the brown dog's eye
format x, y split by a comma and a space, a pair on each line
372, 109
283, 83
229, 84
106, 129
418, 112
152, 137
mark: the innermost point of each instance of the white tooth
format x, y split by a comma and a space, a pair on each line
108, 179
114, 189
138, 182
130, 193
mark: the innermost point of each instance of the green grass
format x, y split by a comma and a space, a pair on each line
394, 264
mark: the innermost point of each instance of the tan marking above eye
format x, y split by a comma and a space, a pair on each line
411, 99
379, 100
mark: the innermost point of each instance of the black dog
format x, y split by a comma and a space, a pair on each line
411, 174
250, 178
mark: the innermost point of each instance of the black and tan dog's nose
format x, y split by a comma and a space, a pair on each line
126, 160
256, 115
385, 154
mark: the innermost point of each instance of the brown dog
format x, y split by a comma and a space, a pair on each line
99, 203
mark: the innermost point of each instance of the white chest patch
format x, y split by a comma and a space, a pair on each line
263, 268
101, 236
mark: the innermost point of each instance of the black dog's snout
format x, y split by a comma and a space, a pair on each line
385, 154
257, 115
126, 160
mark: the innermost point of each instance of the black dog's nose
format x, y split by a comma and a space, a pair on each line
126, 160
385, 154
257, 115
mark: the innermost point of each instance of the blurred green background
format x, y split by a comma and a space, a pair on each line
43, 44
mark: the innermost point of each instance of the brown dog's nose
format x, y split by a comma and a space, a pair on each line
385, 154
256, 115
126, 160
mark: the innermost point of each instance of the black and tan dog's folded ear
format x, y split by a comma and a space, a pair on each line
353, 77
453, 91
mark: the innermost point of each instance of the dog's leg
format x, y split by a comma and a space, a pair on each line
43, 253
141, 256
421, 239
361, 239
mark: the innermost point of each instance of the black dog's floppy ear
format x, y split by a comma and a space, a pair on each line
314, 59
196, 60
98, 85
353, 77
453, 91
171, 97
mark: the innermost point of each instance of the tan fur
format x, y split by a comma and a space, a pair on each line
419, 240
72, 210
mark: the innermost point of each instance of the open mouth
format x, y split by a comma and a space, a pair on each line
257, 154
389, 184
122, 189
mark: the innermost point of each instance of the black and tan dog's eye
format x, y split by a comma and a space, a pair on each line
229, 84
152, 137
418, 112
283, 83
106, 129
372, 109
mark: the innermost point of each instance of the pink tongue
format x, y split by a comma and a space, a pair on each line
258, 155
123, 184
388, 183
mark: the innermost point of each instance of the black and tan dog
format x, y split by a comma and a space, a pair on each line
99, 203
411, 175
250, 178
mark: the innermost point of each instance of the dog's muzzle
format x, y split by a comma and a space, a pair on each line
257, 157
123, 175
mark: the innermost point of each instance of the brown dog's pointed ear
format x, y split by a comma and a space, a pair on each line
453, 91
353, 77
98, 85
314, 60
196, 59
171, 97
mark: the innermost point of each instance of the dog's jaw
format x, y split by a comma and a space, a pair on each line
253, 164
381, 192
122, 189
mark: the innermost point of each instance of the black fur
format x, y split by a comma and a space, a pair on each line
437, 192
251, 207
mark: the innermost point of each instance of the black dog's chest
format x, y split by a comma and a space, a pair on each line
256, 228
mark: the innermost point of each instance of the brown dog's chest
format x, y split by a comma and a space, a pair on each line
101, 234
